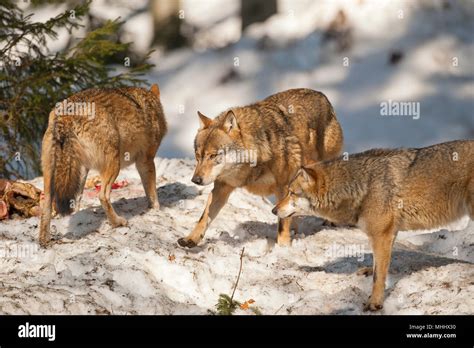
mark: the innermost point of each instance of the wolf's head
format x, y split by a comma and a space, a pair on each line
298, 199
215, 144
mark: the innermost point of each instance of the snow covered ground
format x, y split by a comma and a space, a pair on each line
140, 269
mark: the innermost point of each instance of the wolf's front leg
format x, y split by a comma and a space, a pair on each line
216, 200
284, 225
284, 232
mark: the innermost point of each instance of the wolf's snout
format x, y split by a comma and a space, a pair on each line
275, 210
197, 180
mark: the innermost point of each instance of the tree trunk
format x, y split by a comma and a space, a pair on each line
167, 23
253, 11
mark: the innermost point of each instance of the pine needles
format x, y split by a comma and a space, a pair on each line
33, 79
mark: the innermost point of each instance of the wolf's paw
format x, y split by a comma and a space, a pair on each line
284, 242
327, 223
154, 205
186, 243
365, 271
118, 222
373, 306
45, 242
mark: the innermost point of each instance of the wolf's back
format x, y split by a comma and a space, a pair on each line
313, 110
441, 160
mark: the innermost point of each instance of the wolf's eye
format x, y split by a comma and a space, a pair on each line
212, 156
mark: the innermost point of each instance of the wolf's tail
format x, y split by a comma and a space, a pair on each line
66, 167
333, 137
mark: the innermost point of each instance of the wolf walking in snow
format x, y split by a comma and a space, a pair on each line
386, 191
102, 129
260, 147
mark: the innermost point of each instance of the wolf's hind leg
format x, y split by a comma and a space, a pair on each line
382, 244
147, 171
84, 173
365, 271
108, 176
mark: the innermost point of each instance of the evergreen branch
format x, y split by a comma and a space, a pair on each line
32, 79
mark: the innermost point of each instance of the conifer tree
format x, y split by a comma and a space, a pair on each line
33, 79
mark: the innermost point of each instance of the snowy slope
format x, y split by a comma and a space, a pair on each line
140, 269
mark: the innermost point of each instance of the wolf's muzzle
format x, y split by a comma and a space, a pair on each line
197, 180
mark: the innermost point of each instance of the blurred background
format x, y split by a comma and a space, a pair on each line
210, 55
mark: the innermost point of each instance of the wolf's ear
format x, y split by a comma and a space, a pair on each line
155, 90
310, 164
230, 122
204, 121
309, 175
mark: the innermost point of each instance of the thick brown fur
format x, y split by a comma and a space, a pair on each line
386, 191
127, 127
282, 132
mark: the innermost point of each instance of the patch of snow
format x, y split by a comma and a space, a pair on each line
140, 269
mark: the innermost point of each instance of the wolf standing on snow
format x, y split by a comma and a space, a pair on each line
260, 147
384, 191
102, 129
